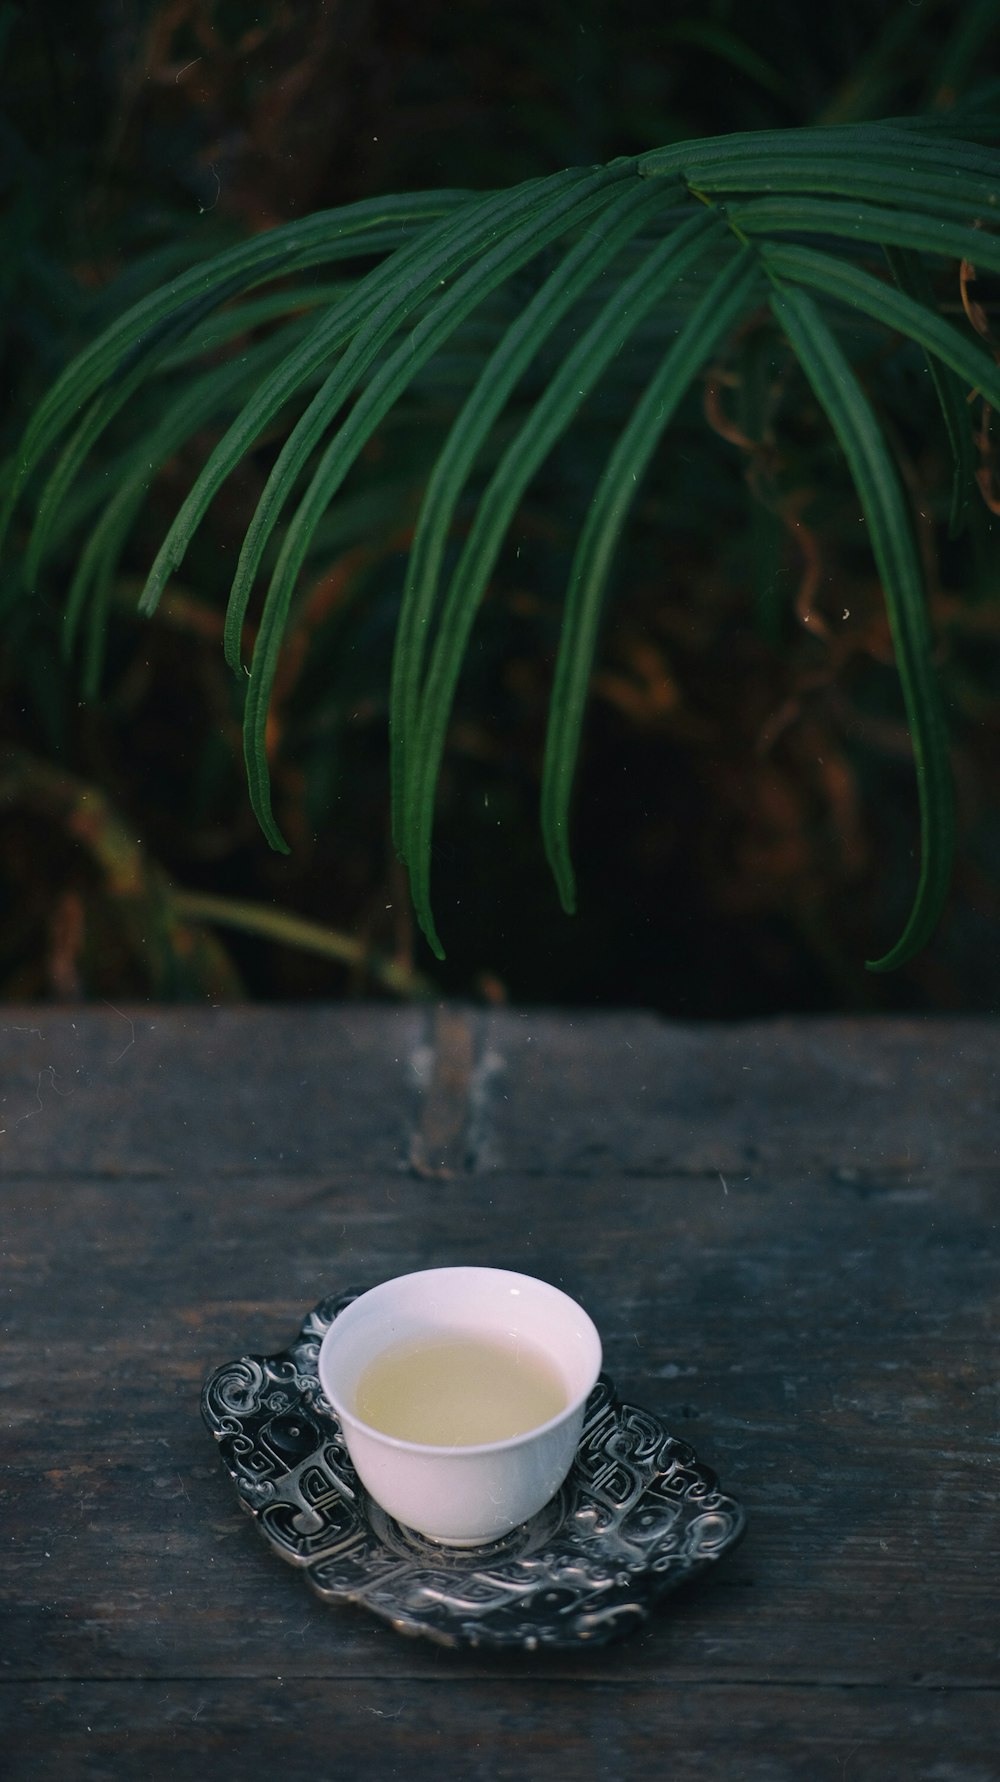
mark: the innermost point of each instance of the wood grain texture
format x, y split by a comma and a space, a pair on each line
866, 1098
480, 1730
154, 1092
824, 1333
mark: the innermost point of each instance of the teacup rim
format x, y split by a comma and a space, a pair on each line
507, 1444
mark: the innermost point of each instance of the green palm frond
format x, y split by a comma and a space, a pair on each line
534, 292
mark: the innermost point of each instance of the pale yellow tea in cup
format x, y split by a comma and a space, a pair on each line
457, 1391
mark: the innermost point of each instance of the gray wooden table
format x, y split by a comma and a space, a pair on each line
787, 1233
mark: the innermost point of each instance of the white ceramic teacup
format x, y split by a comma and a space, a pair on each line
462, 1495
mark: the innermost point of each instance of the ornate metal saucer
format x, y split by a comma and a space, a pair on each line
637, 1516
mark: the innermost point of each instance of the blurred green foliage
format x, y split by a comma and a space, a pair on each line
746, 816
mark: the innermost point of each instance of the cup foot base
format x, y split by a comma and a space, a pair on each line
466, 1542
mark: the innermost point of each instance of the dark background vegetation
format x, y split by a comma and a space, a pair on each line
747, 827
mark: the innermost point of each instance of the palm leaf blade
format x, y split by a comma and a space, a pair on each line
951, 355
731, 295
895, 309
253, 312
930, 192
866, 223
880, 149
911, 276
894, 548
